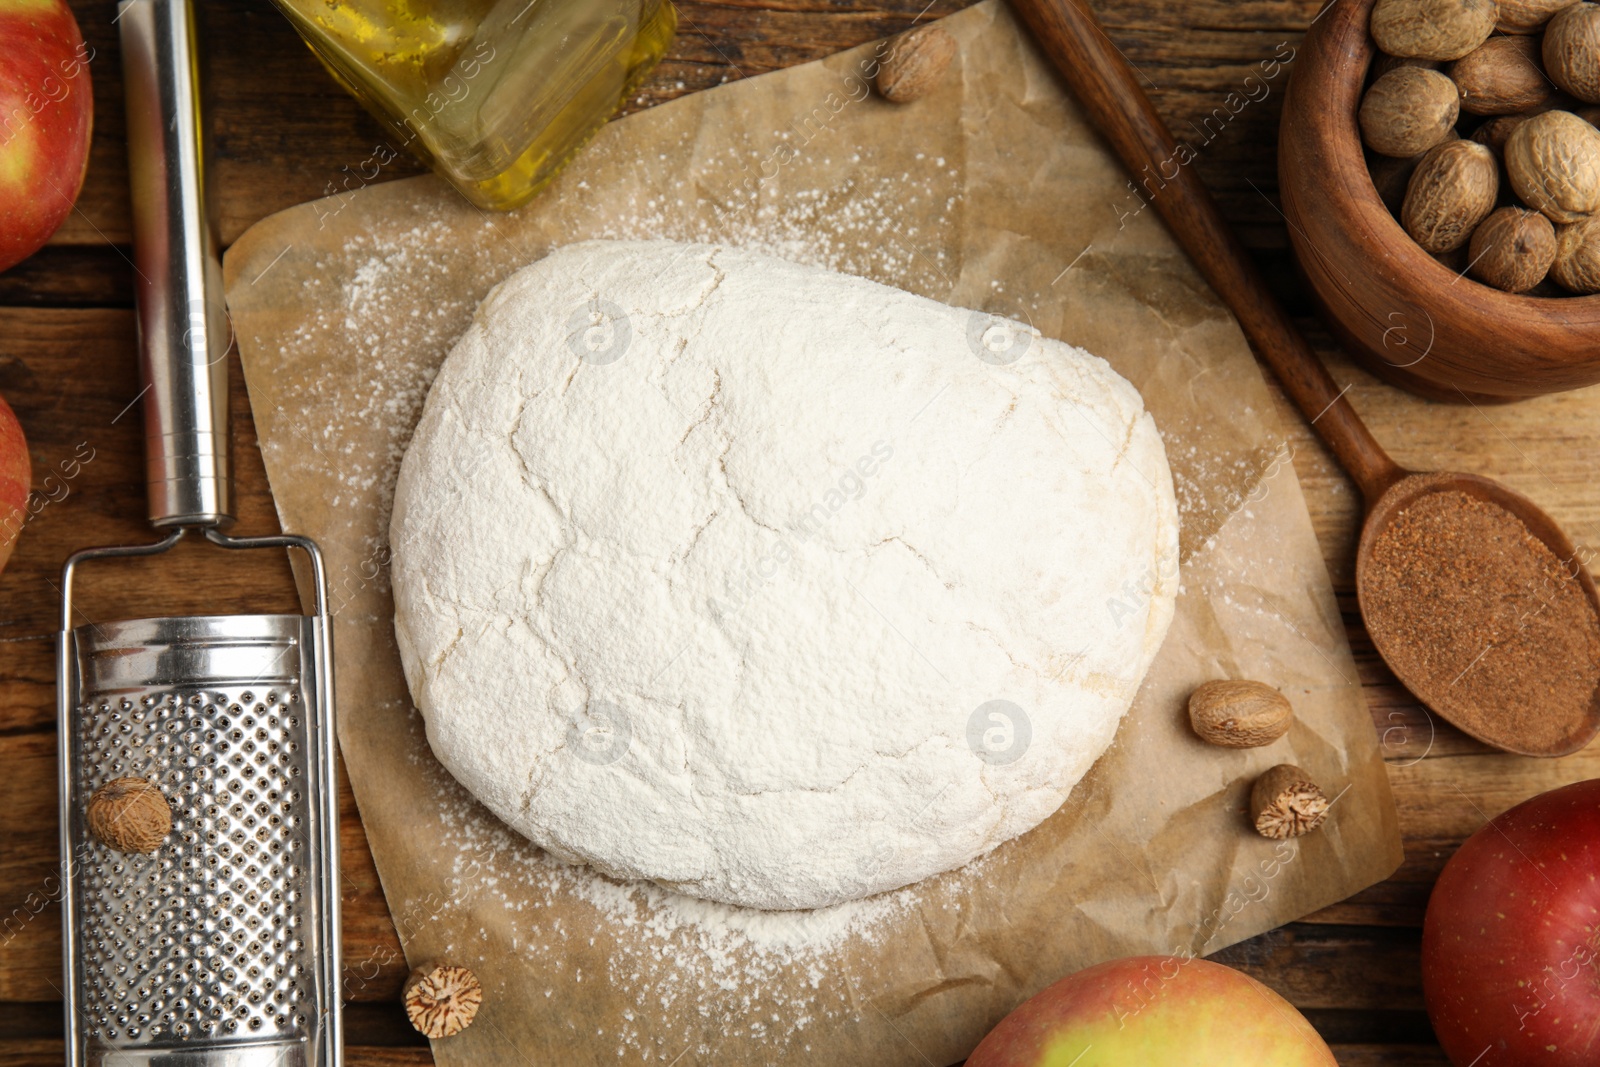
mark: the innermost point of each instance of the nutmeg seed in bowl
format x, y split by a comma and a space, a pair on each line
1577, 260
1432, 29
1572, 51
1526, 16
1494, 133
1452, 190
1404, 316
1553, 162
1408, 111
1501, 77
1512, 249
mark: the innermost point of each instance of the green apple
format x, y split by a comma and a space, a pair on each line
1154, 1011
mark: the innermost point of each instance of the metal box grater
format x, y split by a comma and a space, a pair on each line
218, 942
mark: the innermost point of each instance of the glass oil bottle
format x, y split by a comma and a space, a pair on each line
495, 95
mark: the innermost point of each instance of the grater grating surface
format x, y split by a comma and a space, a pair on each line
156, 928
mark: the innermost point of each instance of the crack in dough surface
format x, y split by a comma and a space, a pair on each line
731, 610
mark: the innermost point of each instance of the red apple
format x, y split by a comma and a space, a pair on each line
16, 478
1511, 942
1154, 1011
46, 113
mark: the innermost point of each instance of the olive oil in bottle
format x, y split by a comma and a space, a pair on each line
495, 95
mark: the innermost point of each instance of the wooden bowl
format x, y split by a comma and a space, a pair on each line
1402, 313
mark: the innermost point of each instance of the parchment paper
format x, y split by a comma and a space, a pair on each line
991, 193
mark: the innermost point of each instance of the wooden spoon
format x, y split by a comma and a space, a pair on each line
1106, 87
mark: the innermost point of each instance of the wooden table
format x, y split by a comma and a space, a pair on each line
285, 134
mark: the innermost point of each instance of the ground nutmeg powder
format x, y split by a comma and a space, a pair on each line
1489, 625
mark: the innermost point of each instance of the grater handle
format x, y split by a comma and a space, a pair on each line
184, 334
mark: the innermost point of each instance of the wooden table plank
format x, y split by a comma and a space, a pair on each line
285, 134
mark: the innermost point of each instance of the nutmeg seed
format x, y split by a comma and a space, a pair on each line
1493, 134
1408, 111
1577, 263
1431, 29
1501, 77
1553, 163
1527, 16
442, 1000
1286, 803
1572, 51
1512, 249
916, 63
129, 815
1239, 714
1452, 190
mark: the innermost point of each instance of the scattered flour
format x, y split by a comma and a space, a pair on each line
670, 956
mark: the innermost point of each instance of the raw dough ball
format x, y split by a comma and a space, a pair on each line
776, 586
